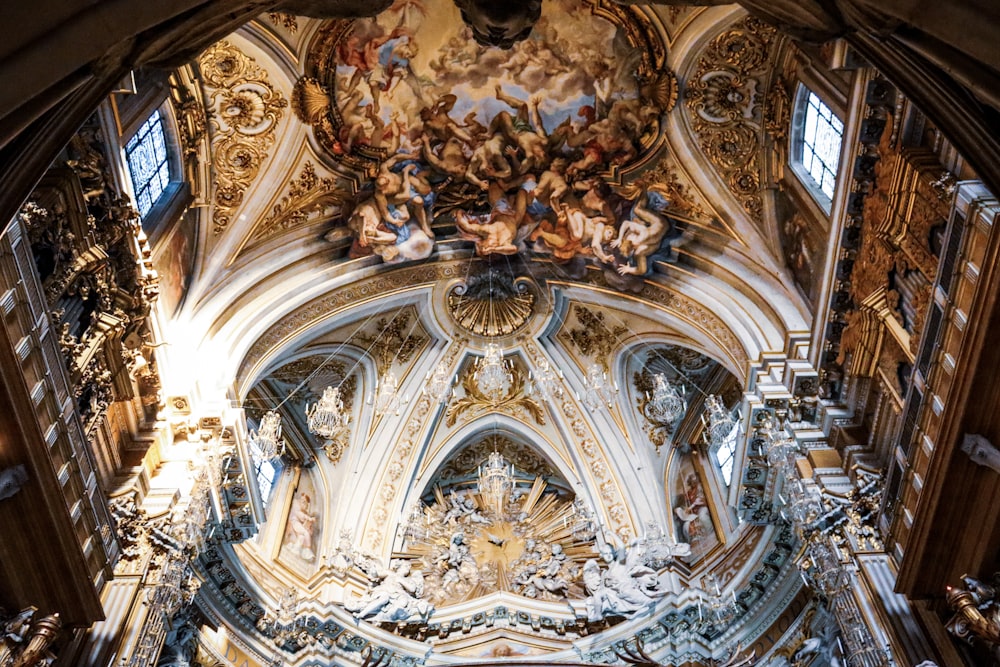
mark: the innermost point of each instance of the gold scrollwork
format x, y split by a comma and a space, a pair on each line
725, 102
515, 399
245, 109
307, 195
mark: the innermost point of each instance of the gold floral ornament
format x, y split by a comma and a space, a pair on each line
511, 397
244, 112
308, 196
725, 99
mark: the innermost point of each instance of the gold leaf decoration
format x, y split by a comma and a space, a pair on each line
724, 98
307, 195
244, 112
515, 400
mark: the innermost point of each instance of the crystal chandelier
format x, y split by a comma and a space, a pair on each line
416, 527
327, 418
666, 403
267, 438
439, 383
546, 382
493, 375
720, 611
598, 392
167, 595
386, 398
803, 503
496, 479
718, 419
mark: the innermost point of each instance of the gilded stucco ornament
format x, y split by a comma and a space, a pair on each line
245, 111
593, 337
493, 303
513, 399
725, 101
307, 197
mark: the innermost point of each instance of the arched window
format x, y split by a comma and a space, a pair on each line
817, 136
148, 163
266, 472
725, 454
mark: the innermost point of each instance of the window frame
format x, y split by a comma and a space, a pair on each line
733, 441
797, 145
143, 136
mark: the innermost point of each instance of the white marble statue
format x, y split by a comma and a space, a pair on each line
396, 597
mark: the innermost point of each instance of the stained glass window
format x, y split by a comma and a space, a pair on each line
146, 155
822, 134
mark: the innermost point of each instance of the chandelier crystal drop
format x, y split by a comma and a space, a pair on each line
719, 420
415, 528
386, 398
167, 594
439, 383
546, 382
599, 392
667, 402
267, 437
327, 418
493, 376
496, 479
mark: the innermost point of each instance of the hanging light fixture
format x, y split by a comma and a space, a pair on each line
598, 390
667, 401
720, 422
326, 418
546, 382
496, 479
415, 528
439, 383
386, 398
493, 376
167, 595
267, 437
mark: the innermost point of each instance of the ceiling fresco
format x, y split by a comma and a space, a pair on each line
531, 150
422, 197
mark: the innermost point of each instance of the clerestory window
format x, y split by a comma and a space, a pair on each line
817, 137
148, 164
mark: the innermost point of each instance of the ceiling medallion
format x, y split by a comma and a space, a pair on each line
492, 304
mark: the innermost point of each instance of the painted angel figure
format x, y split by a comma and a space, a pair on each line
640, 236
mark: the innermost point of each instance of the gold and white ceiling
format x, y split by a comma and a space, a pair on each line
386, 196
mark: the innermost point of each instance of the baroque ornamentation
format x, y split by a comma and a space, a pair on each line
25, 639
463, 462
724, 98
406, 447
593, 337
664, 360
95, 266
289, 22
493, 303
395, 340
307, 196
522, 543
246, 109
519, 172
514, 399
